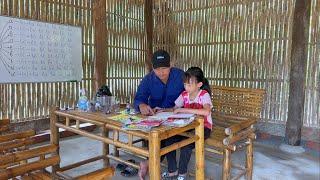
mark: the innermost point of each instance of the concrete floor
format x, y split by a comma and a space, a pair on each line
270, 163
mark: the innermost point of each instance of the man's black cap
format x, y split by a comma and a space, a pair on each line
160, 58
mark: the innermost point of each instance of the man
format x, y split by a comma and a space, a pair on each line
161, 87
158, 89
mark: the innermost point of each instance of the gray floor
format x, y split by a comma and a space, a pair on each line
270, 163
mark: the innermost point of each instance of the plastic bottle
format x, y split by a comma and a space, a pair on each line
128, 106
83, 101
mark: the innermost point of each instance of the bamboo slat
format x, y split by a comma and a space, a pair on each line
22, 169
20, 143
27, 154
18, 135
100, 174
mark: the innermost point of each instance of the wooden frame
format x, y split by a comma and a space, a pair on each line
154, 137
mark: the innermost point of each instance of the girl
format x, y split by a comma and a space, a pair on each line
195, 99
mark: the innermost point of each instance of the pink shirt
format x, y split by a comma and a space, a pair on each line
202, 98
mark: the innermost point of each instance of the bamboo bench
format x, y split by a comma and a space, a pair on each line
235, 111
4, 125
19, 161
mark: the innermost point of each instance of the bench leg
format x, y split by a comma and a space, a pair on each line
226, 164
249, 163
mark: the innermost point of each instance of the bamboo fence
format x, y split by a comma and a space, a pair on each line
240, 43
126, 47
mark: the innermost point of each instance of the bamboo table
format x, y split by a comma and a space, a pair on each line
64, 119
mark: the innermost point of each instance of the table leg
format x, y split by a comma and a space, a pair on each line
115, 138
54, 136
200, 150
105, 147
154, 156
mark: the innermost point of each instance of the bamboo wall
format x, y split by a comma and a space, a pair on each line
29, 101
242, 43
126, 47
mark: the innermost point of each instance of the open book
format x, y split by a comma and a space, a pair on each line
142, 125
167, 115
174, 120
163, 118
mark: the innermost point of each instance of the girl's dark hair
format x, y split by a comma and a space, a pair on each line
197, 74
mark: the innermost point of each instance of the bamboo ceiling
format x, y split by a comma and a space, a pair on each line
242, 43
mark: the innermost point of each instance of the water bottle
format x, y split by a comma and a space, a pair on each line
83, 101
128, 107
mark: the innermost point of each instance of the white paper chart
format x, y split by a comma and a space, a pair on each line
32, 51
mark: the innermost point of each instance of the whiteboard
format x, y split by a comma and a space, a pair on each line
32, 51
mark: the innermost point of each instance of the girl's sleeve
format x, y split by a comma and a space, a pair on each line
206, 99
179, 101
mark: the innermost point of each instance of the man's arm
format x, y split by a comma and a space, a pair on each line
142, 94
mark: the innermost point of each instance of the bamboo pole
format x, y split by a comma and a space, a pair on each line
99, 17
154, 156
239, 136
105, 146
226, 164
104, 139
175, 131
115, 138
104, 173
76, 117
123, 161
178, 145
199, 146
72, 166
54, 135
237, 127
148, 16
249, 159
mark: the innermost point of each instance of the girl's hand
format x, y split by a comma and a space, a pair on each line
178, 110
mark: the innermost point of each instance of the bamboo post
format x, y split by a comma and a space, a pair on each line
105, 147
99, 17
199, 131
54, 136
149, 31
67, 121
226, 164
154, 155
249, 163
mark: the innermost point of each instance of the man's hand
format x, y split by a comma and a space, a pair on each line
158, 110
145, 109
